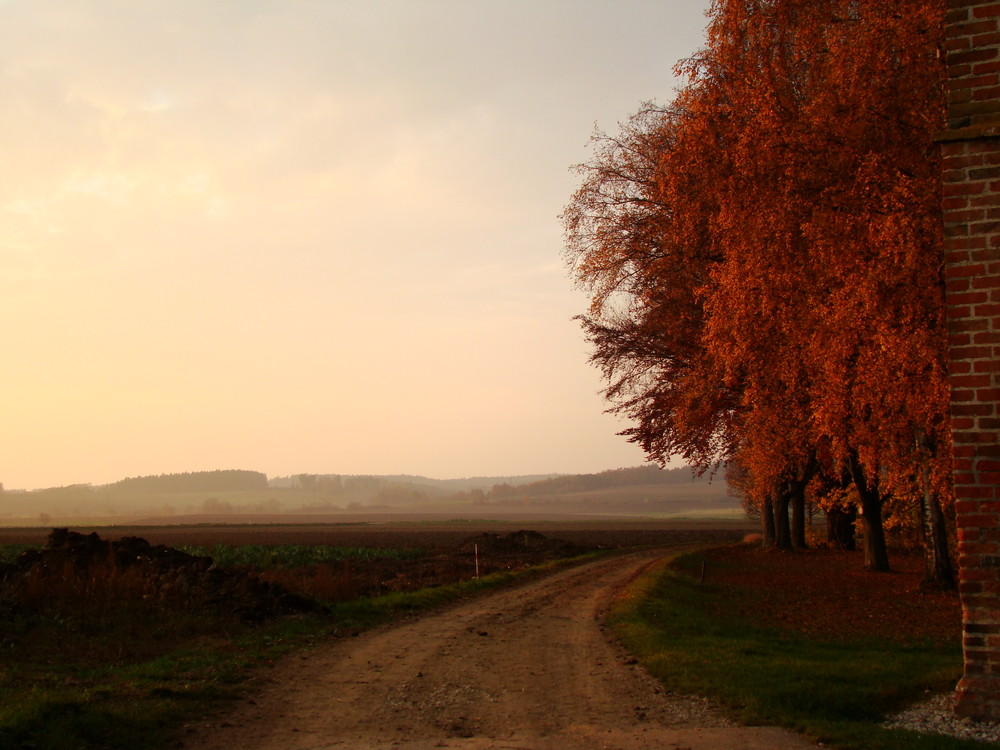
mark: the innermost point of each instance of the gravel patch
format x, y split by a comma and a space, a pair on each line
936, 715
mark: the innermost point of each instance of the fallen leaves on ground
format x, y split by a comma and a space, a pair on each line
828, 594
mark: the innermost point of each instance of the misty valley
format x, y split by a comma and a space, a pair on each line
252, 497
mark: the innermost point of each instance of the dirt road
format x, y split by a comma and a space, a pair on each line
527, 668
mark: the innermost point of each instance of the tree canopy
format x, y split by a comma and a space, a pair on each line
763, 253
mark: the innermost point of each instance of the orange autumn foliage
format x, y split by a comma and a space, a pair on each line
763, 254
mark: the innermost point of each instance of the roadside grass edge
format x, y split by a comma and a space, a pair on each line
835, 692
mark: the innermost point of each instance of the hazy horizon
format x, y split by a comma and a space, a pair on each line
307, 237
294, 474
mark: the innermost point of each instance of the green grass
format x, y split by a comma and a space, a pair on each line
10, 552
89, 694
834, 691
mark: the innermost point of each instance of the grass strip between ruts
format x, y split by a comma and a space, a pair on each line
836, 692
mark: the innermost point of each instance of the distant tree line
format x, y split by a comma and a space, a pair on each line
650, 474
196, 481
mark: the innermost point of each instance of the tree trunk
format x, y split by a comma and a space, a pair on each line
840, 528
767, 523
782, 531
938, 569
798, 496
876, 554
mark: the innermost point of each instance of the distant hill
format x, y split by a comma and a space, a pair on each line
613, 478
229, 480
641, 490
383, 480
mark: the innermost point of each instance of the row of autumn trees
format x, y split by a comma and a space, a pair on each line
764, 266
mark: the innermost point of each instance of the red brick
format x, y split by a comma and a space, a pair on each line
958, 161
973, 26
976, 297
966, 243
980, 147
986, 281
969, 325
987, 548
992, 534
972, 352
969, 573
960, 339
975, 491
966, 506
986, 94
964, 189
955, 16
957, 83
972, 381
974, 437
967, 452
986, 11
972, 56
960, 218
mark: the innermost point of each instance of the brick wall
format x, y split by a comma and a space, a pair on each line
971, 197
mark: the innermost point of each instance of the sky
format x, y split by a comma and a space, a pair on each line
307, 236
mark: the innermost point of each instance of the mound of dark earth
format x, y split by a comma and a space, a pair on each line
70, 561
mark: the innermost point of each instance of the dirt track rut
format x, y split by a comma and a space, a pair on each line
526, 668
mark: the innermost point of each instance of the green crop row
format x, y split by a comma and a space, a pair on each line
269, 557
10, 552
265, 556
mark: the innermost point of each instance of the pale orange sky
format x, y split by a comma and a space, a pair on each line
295, 236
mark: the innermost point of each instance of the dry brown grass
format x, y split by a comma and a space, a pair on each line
99, 587
330, 582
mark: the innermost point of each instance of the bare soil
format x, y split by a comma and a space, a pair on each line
525, 667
